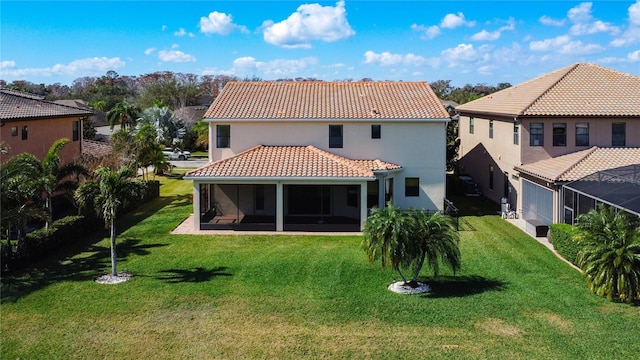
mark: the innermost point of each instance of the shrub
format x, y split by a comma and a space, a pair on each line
561, 236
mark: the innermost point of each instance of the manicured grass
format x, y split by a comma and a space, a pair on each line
260, 296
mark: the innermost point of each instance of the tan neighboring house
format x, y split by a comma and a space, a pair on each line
293, 156
524, 143
31, 124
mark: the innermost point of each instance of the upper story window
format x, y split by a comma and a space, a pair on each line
335, 136
559, 134
536, 133
223, 136
25, 132
516, 133
471, 124
618, 134
75, 130
490, 129
582, 134
375, 131
411, 186
14, 131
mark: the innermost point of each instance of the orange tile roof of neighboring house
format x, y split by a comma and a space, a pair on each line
577, 165
291, 161
96, 149
577, 90
326, 100
21, 106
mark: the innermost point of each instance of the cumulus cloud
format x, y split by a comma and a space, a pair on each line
428, 32
6, 64
452, 21
584, 24
463, 53
388, 59
632, 34
219, 23
82, 67
278, 68
150, 51
309, 23
565, 45
545, 20
175, 56
549, 44
484, 35
634, 56
182, 32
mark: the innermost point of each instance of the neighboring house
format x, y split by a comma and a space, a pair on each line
523, 143
31, 124
317, 155
189, 115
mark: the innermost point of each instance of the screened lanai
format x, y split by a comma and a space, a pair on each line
619, 187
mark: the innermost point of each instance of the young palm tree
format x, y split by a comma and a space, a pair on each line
438, 242
610, 254
123, 114
110, 192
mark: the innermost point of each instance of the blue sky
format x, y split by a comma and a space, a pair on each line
463, 41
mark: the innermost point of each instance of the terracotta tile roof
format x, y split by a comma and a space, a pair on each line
20, 106
577, 90
96, 149
577, 165
290, 161
326, 100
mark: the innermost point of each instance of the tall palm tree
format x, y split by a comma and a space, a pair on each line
123, 114
109, 192
610, 253
54, 177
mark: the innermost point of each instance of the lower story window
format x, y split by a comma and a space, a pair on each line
411, 186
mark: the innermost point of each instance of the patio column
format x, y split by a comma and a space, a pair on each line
363, 205
196, 205
279, 207
382, 191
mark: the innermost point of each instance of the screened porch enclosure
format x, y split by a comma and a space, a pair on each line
306, 207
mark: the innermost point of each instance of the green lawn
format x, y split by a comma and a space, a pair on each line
204, 297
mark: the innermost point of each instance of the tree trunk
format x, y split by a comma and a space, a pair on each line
114, 271
416, 272
401, 276
50, 212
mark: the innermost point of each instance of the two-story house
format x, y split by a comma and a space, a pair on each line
289, 156
523, 143
30, 124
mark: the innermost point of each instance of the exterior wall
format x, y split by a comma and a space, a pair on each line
478, 153
41, 135
419, 147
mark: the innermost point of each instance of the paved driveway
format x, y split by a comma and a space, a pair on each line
191, 163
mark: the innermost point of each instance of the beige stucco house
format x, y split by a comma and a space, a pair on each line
523, 143
317, 155
31, 124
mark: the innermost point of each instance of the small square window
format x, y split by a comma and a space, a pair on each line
335, 136
411, 187
14, 131
559, 134
536, 134
375, 131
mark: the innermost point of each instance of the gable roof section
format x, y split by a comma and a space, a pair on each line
20, 106
577, 90
579, 164
290, 162
326, 100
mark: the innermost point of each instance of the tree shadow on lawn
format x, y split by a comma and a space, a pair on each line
70, 265
197, 275
460, 286
127, 220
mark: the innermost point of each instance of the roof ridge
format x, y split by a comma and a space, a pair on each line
589, 152
548, 89
353, 164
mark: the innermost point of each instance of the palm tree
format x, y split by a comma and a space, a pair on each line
110, 192
200, 131
52, 177
610, 253
123, 114
406, 239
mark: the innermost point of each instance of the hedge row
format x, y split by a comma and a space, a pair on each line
561, 236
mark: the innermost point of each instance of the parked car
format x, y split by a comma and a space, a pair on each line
173, 154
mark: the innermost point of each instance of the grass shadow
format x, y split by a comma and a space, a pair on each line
460, 286
197, 275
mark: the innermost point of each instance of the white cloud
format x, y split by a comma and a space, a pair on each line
7, 64
486, 70
150, 51
175, 56
310, 22
388, 59
182, 32
452, 21
164, 27
549, 44
219, 23
82, 67
279, 68
580, 48
463, 53
583, 24
484, 35
632, 34
429, 32
634, 56
545, 20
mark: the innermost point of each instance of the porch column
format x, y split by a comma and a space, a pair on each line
382, 192
196, 205
279, 207
363, 205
